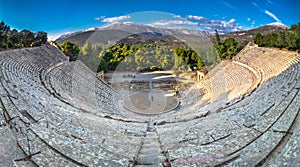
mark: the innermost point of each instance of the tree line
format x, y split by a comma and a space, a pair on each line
11, 39
141, 57
148, 57
288, 39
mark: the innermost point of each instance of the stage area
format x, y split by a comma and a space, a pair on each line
151, 102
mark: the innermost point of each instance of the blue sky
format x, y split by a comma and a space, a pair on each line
60, 16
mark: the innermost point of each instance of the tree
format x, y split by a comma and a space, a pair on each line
274, 40
226, 49
13, 39
70, 49
282, 40
40, 38
296, 28
230, 46
258, 39
27, 38
102, 66
4, 29
298, 44
86, 49
218, 44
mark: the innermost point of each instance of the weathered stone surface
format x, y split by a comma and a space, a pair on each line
53, 115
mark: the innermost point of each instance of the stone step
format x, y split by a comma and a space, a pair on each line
151, 138
150, 144
157, 165
150, 159
150, 151
151, 128
151, 134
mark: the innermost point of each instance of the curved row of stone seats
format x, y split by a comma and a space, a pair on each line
42, 57
208, 89
80, 87
226, 77
18, 116
63, 129
67, 134
242, 134
9, 149
285, 81
255, 130
287, 153
225, 82
268, 61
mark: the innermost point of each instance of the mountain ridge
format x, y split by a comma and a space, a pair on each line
115, 32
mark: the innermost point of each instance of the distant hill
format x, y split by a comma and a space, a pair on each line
95, 36
166, 40
243, 37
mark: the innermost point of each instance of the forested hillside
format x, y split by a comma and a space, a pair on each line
288, 39
140, 56
11, 39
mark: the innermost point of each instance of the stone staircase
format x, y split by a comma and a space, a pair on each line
151, 152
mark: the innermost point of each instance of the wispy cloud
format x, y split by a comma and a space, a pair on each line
270, 2
100, 18
229, 5
172, 23
201, 22
197, 18
177, 16
267, 12
252, 22
116, 19
255, 4
222, 26
272, 15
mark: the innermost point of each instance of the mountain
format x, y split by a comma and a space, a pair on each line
114, 32
166, 40
279, 25
138, 33
135, 28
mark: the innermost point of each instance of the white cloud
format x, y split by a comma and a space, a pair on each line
177, 16
116, 19
100, 18
232, 21
172, 23
272, 15
253, 23
198, 18
222, 26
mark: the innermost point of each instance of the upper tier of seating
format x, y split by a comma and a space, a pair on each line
268, 62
